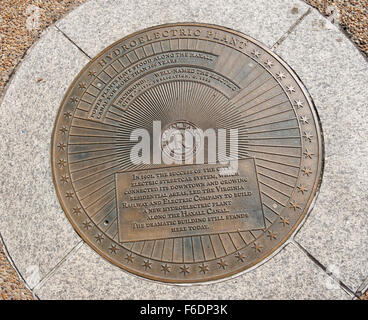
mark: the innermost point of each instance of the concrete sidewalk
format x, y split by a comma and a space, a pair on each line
54, 260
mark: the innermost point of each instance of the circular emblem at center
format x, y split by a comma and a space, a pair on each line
181, 140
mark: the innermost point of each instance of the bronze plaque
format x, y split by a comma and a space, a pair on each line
186, 153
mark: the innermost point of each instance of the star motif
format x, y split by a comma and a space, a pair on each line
67, 115
280, 75
256, 53
64, 179
61, 163
99, 238
302, 189
271, 235
61, 146
222, 264
308, 154
63, 130
147, 265
165, 268
129, 258
113, 249
294, 205
91, 73
87, 224
240, 256
298, 104
290, 88
269, 63
284, 221
257, 247
307, 136
304, 119
203, 268
77, 210
307, 171
74, 100
184, 269
82, 85
69, 195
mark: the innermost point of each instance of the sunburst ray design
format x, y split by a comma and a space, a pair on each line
99, 150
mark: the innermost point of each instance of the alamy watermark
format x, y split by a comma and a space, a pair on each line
32, 275
183, 143
33, 20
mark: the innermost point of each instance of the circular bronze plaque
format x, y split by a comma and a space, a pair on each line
186, 222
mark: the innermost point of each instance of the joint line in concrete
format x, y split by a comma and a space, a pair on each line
57, 266
291, 29
320, 265
78, 47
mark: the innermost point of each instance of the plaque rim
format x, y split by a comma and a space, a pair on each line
284, 241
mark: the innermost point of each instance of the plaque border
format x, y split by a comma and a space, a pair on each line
283, 241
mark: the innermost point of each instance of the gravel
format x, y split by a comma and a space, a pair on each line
11, 286
21, 23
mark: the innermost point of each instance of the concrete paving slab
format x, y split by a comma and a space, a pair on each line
288, 275
96, 24
33, 225
336, 74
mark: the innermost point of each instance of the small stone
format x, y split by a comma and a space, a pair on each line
295, 10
